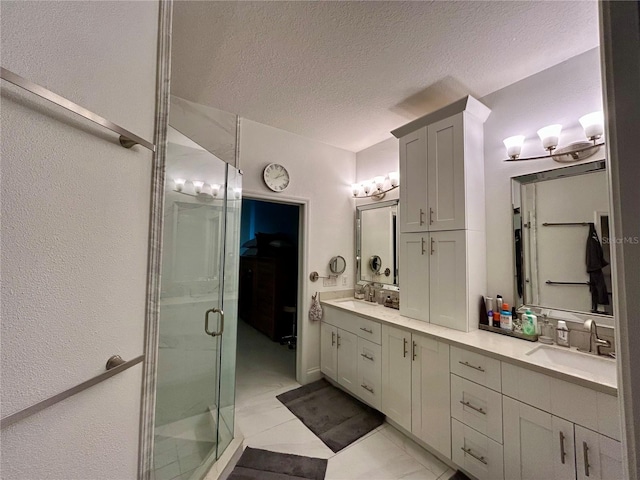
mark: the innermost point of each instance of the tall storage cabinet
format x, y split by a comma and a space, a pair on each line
442, 215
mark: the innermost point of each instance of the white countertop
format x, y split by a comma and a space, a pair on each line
501, 347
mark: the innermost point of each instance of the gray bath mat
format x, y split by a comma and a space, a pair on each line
334, 416
256, 464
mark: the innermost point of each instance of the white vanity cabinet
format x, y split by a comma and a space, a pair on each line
415, 386
350, 353
442, 169
597, 457
442, 277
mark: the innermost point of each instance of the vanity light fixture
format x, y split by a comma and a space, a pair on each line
375, 188
593, 125
201, 190
514, 146
197, 186
550, 135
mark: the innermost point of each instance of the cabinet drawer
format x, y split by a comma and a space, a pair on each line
368, 329
369, 372
476, 367
476, 453
477, 407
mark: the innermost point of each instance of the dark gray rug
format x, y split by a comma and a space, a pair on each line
256, 464
334, 416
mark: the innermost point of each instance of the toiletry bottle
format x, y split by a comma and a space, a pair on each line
506, 322
516, 320
499, 303
496, 319
488, 302
529, 323
563, 334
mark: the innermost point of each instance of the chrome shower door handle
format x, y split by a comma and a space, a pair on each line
206, 322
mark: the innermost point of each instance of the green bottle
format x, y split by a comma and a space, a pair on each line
529, 323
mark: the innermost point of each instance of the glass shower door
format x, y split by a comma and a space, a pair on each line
196, 370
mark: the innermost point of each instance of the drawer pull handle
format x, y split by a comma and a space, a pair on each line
433, 245
413, 351
368, 357
421, 216
467, 364
333, 338
367, 388
563, 454
585, 450
430, 216
368, 330
480, 459
422, 245
477, 409
404, 353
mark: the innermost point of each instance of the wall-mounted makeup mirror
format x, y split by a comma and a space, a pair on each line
337, 265
376, 243
561, 239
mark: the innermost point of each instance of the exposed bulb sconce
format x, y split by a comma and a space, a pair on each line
514, 146
197, 186
179, 182
215, 189
375, 188
550, 136
593, 125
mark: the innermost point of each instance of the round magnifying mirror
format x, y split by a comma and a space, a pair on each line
375, 263
337, 265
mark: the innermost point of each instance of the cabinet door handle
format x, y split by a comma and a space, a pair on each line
430, 216
585, 451
421, 216
338, 340
467, 364
333, 338
563, 454
368, 330
470, 452
472, 407
413, 351
405, 351
422, 245
367, 388
433, 246
368, 357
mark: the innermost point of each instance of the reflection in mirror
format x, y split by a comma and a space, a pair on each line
337, 265
376, 248
561, 239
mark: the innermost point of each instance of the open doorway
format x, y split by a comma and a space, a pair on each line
268, 296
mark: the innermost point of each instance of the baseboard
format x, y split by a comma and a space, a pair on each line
312, 375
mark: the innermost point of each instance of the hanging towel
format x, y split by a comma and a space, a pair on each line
315, 310
595, 263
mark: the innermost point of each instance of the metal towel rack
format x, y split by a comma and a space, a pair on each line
567, 224
127, 139
115, 365
549, 282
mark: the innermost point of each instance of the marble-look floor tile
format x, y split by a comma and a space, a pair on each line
262, 413
376, 457
447, 474
167, 472
290, 437
426, 459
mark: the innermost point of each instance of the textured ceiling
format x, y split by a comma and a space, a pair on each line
346, 73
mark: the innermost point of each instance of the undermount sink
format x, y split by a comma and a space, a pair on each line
584, 362
356, 304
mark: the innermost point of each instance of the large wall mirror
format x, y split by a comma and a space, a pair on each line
377, 243
561, 239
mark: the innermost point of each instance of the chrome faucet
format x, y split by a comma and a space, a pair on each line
369, 292
595, 343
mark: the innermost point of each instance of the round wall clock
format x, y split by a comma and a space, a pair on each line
276, 177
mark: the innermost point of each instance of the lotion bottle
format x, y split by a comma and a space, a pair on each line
506, 322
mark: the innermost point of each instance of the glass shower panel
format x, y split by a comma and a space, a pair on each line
189, 360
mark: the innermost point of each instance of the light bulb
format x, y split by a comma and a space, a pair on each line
379, 181
550, 135
355, 188
366, 186
237, 192
514, 146
394, 178
179, 182
197, 186
215, 189
593, 124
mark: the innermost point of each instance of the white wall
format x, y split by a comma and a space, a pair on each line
75, 221
322, 176
561, 94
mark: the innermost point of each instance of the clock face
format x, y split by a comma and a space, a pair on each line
276, 177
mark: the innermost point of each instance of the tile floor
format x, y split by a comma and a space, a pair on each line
266, 369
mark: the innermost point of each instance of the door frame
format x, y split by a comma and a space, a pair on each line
303, 250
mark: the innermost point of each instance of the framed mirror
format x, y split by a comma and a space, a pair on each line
561, 239
377, 243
